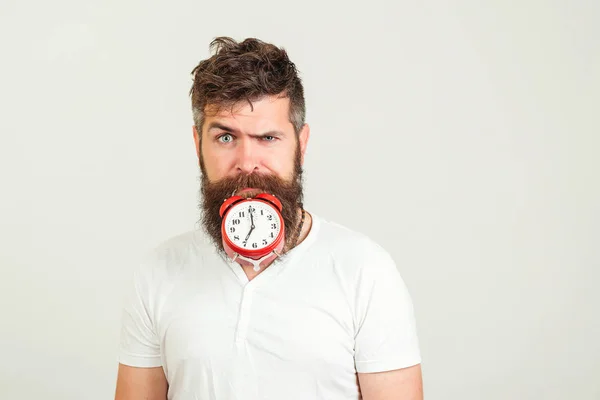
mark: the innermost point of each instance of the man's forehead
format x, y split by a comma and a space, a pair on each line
266, 104
263, 116
222, 111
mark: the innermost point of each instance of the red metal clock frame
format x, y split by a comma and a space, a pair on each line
266, 198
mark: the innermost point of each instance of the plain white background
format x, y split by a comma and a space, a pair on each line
461, 135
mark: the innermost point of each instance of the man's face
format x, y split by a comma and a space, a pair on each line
249, 150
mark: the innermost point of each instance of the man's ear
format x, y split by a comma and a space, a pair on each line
303, 138
197, 140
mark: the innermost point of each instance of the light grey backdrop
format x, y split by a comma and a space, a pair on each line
461, 135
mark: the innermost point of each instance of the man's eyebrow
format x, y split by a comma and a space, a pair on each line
218, 125
268, 133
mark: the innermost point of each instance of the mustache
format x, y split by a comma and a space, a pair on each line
228, 186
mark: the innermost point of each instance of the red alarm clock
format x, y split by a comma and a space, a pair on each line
252, 228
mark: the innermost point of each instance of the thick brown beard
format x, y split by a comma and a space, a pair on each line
212, 195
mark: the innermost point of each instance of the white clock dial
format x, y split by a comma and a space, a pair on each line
252, 225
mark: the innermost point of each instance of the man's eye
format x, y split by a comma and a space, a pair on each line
226, 138
269, 138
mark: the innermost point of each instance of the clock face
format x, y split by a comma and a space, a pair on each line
252, 225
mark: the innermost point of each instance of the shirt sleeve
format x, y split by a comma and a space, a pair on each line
139, 344
386, 336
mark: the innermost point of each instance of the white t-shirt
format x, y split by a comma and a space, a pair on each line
333, 306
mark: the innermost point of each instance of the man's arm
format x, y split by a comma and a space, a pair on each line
399, 384
141, 383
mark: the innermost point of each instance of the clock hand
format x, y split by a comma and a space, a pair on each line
246, 240
251, 226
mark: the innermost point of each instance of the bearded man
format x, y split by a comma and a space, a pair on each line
325, 316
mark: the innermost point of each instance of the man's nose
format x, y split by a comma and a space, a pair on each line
247, 160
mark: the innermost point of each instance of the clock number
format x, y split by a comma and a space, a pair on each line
272, 235
232, 229
269, 217
264, 242
254, 245
273, 226
261, 212
236, 221
236, 237
242, 214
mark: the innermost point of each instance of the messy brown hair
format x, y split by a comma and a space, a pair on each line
245, 71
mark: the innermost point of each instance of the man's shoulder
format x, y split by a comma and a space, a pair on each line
178, 243
356, 256
340, 239
174, 253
